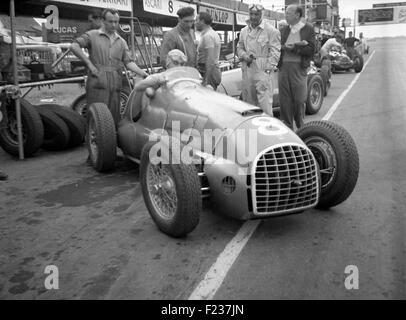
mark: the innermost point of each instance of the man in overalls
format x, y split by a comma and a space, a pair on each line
259, 50
108, 54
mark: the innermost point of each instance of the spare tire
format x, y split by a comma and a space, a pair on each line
80, 105
315, 94
32, 128
56, 132
337, 158
73, 120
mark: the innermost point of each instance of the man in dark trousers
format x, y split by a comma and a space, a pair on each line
298, 47
349, 44
108, 55
182, 37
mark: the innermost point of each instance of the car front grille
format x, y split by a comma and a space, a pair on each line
285, 180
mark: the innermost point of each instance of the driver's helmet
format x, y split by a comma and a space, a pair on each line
176, 57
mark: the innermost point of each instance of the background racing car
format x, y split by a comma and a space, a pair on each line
318, 85
287, 173
341, 61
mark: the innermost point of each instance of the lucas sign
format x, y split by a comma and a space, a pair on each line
121, 5
165, 7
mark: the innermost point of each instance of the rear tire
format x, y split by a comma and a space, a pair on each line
172, 194
74, 121
337, 157
101, 137
315, 94
358, 64
56, 132
32, 128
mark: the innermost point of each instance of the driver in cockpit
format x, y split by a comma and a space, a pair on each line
175, 58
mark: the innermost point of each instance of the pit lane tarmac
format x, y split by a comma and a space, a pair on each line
55, 210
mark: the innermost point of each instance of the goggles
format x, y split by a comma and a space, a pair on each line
256, 7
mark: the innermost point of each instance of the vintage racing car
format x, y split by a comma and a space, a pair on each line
191, 143
340, 61
317, 84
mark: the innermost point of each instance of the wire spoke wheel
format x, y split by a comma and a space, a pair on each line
162, 190
315, 93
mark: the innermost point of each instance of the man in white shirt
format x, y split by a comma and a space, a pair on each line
328, 45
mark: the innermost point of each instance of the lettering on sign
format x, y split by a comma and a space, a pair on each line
165, 7
122, 5
65, 30
219, 16
242, 19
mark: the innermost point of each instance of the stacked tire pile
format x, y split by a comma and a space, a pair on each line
48, 126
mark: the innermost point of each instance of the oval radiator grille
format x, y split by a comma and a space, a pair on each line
286, 180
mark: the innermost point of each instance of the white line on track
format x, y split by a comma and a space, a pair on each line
218, 271
346, 91
213, 279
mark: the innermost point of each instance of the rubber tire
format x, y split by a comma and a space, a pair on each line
358, 68
77, 105
346, 153
32, 128
56, 132
75, 123
105, 134
188, 191
311, 109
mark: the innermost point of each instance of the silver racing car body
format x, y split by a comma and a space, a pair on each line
193, 143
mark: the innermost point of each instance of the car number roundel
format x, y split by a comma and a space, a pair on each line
269, 127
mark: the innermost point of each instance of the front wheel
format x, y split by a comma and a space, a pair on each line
337, 157
172, 194
315, 94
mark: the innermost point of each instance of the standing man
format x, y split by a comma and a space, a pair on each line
259, 51
95, 20
182, 37
298, 48
208, 51
349, 44
108, 54
331, 43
